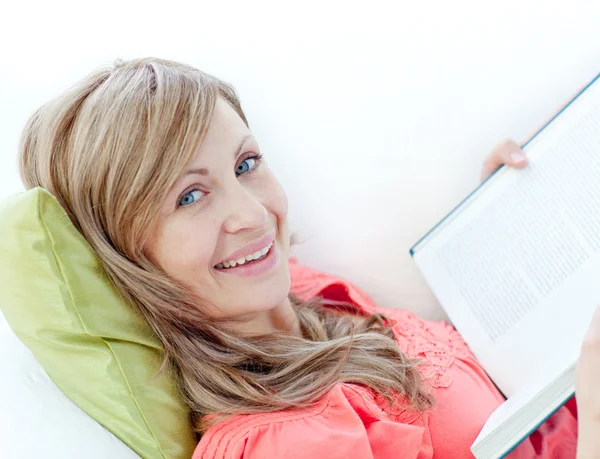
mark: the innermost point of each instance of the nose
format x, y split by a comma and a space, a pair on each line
245, 210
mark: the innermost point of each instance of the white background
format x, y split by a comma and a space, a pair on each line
375, 115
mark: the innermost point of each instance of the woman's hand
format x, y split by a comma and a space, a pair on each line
506, 152
587, 384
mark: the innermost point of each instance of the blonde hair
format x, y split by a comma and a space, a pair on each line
109, 149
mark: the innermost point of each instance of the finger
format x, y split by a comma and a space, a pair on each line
506, 152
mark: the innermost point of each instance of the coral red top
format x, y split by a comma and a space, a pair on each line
353, 422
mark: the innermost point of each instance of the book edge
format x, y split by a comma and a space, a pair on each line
562, 399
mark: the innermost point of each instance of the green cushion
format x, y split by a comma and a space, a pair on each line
99, 352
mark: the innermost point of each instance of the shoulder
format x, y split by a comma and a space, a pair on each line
436, 344
336, 427
308, 283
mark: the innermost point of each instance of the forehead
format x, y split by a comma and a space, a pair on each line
225, 125
224, 136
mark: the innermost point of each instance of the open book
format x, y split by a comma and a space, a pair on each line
516, 266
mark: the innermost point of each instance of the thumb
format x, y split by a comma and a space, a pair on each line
506, 152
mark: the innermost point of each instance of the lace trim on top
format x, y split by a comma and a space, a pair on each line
436, 344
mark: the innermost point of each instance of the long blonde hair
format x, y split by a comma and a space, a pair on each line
109, 149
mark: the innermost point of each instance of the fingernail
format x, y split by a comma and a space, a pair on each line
517, 157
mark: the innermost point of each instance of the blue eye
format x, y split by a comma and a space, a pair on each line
191, 197
247, 165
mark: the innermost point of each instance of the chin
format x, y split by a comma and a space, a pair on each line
270, 296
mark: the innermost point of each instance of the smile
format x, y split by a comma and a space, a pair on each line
253, 257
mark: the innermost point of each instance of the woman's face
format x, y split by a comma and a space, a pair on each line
223, 227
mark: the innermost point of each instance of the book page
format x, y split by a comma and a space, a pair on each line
518, 270
534, 235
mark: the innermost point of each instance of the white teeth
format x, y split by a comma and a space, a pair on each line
241, 261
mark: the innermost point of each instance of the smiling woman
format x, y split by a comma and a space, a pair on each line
162, 208
234, 206
156, 166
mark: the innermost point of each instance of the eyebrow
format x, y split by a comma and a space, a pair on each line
204, 171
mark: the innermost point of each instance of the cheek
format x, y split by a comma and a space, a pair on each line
183, 250
276, 197
278, 206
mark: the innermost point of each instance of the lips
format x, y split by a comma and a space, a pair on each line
253, 250
260, 268
256, 256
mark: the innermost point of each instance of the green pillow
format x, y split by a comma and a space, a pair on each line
95, 347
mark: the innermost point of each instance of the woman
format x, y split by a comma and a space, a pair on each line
156, 166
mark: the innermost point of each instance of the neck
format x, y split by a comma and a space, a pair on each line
280, 318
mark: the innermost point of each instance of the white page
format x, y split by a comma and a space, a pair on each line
518, 269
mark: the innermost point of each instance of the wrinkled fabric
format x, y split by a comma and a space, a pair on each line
352, 421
